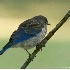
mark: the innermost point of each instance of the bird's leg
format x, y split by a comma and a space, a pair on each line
28, 53
37, 47
43, 45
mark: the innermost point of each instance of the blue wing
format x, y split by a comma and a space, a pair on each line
19, 36
16, 37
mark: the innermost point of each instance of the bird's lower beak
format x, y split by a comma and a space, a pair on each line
48, 24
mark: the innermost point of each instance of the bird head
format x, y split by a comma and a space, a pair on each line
42, 20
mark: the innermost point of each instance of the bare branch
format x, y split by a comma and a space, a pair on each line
44, 41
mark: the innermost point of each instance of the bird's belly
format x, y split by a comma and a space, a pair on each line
32, 42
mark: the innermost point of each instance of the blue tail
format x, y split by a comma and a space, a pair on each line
7, 46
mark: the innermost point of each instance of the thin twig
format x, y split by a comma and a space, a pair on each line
44, 41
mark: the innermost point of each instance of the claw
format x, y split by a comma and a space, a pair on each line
41, 49
43, 45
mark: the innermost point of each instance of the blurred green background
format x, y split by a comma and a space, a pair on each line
56, 54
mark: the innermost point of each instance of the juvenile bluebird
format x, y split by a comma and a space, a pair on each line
29, 34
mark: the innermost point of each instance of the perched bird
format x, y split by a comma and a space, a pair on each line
29, 34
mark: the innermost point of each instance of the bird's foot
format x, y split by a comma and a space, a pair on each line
40, 45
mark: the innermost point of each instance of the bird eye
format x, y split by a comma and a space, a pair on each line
45, 22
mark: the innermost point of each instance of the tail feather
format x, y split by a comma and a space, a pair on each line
7, 46
1, 52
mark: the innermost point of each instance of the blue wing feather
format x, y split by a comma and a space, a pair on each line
8, 45
21, 37
16, 39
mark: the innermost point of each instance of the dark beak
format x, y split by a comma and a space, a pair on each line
48, 24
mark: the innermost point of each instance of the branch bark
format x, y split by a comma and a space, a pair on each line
44, 41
